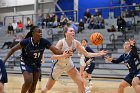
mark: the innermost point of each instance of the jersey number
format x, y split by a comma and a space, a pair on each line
36, 55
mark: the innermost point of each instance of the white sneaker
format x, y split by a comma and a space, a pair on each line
87, 88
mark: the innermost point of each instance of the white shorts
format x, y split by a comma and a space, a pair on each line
58, 69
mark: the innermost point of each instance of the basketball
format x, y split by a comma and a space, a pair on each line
96, 39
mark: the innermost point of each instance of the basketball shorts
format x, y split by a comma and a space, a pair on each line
29, 68
89, 68
3, 73
58, 69
130, 77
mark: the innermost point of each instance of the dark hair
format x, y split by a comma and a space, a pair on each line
85, 40
29, 34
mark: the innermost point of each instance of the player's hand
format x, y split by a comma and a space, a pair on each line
132, 41
103, 52
108, 58
66, 54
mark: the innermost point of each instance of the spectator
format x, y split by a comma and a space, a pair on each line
72, 24
29, 23
56, 21
87, 16
111, 29
8, 44
121, 23
10, 29
100, 22
15, 26
97, 13
20, 26
81, 26
92, 23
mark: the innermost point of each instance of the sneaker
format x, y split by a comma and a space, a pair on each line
87, 88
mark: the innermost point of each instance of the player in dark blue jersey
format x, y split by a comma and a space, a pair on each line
87, 74
131, 59
32, 51
3, 76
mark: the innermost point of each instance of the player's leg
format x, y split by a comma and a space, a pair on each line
75, 75
85, 75
48, 86
34, 82
136, 84
1, 87
55, 74
123, 85
81, 70
28, 78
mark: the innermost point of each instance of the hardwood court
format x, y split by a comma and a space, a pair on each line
65, 85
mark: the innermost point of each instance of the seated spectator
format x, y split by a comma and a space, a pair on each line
97, 13
92, 24
63, 21
111, 29
17, 39
50, 21
72, 24
81, 26
100, 22
87, 16
56, 21
8, 44
15, 26
29, 23
10, 29
121, 23
20, 26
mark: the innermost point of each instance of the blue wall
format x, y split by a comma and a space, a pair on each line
84, 4
129, 2
66, 5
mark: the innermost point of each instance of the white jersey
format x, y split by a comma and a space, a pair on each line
65, 47
65, 64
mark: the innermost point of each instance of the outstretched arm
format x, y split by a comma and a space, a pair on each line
12, 50
88, 54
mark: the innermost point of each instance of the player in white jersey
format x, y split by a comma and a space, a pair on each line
64, 64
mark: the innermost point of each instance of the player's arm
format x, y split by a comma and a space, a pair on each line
118, 60
12, 50
88, 54
64, 54
57, 57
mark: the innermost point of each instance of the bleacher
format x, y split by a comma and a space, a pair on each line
102, 68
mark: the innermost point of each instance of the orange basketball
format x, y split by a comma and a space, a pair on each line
96, 39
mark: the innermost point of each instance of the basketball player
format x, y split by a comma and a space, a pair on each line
32, 51
87, 74
131, 59
82, 62
66, 64
3, 76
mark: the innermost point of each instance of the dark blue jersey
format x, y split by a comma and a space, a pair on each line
3, 73
33, 51
88, 49
131, 60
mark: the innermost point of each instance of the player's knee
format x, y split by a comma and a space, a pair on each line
28, 81
134, 82
122, 85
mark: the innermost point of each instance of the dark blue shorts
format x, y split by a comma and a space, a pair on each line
130, 77
29, 68
3, 73
89, 68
